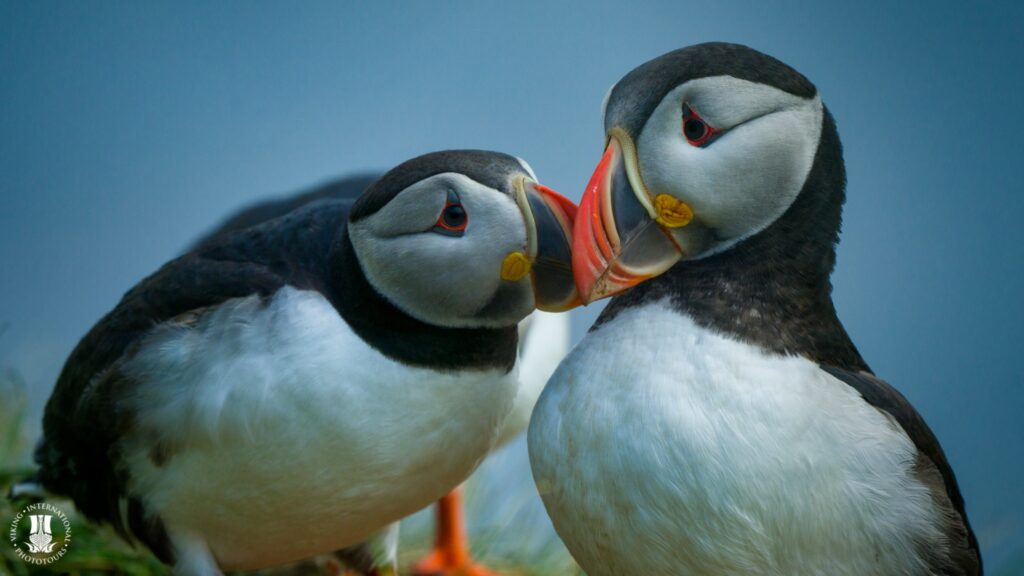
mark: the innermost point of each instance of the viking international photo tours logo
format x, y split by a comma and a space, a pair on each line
40, 533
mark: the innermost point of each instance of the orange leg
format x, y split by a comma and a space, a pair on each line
450, 556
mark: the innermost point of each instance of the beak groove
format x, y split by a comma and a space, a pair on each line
616, 242
590, 232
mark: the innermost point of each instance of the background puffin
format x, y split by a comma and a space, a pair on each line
717, 419
290, 388
543, 343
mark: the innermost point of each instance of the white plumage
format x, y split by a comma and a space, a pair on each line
662, 437
544, 341
300, 437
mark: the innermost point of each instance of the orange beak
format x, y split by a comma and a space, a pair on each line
617, 241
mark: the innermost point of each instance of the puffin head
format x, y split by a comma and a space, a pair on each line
465, 239
706, 146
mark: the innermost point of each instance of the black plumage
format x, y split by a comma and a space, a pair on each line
492, 169
349, 187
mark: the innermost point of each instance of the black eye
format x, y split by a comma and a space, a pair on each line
696, 130
453, 218
454, 215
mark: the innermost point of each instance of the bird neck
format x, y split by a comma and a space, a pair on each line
401, 337
772, 289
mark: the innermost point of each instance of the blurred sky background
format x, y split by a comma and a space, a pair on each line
127, 129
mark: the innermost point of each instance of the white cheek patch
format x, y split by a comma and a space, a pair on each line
745, 179
439, 279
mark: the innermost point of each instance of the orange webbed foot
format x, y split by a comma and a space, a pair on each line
450, 556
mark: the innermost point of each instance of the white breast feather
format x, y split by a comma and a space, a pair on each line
660, 447
288, 435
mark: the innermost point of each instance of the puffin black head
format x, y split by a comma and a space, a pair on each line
706, 146
465, 239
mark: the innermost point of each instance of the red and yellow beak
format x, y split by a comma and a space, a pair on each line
550, 219
623, 235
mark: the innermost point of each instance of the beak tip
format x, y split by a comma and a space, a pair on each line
593, 294
584, 299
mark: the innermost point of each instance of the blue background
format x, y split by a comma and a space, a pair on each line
127, 129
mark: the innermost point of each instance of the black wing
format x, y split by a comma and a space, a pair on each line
84, 420
964, 557
347, 188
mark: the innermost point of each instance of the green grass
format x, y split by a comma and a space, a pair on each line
92, 550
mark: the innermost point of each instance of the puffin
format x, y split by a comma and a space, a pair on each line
293, 387
544, 340
717, 418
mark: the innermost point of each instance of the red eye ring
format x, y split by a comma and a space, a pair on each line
695, 129
453, 219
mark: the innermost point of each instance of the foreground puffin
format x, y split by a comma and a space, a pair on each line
717, 419
294, 387
543, 343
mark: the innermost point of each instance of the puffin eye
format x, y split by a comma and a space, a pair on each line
695, 129
453, 218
